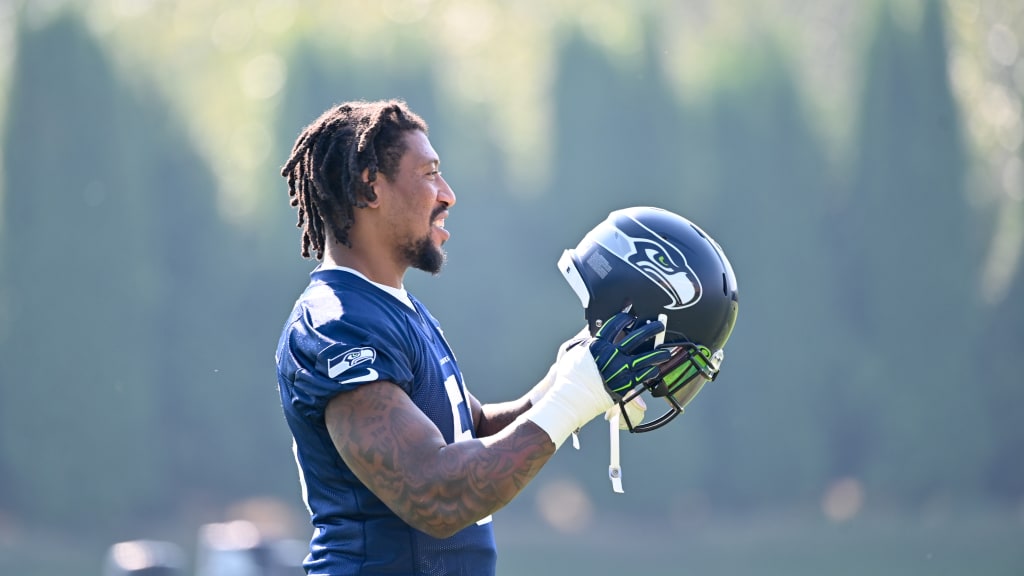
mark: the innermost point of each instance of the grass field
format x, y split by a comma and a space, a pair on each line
975, 543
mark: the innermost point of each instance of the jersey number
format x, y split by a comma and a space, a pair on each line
462, 420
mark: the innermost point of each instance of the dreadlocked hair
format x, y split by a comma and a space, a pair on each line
324, 171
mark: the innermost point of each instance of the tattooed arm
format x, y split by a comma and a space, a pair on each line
393, 448
492, 418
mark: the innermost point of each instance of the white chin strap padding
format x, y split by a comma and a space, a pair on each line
660, 338
614, 469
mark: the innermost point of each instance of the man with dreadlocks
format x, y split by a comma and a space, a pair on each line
401, 467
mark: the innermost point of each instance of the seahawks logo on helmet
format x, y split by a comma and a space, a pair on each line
662, 263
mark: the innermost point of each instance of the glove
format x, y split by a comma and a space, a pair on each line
613, 347
590, 378
542, 387
576, 397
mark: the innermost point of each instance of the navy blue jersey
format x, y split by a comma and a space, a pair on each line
346, 332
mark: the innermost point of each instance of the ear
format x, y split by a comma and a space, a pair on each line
372, 199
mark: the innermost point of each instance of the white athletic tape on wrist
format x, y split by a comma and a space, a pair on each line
577, 396
554, 417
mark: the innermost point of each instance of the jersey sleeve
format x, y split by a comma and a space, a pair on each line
343, 354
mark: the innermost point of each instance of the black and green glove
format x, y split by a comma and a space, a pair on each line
614, 348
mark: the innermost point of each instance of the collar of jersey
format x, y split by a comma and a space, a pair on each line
400, 293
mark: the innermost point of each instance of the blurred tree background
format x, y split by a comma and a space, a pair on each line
861, 164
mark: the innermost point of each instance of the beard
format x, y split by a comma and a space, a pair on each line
423, 255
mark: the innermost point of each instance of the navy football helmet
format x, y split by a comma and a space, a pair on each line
659, 265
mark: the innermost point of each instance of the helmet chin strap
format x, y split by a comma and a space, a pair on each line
614, 466
614, 469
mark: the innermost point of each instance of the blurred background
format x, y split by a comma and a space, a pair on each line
860, 163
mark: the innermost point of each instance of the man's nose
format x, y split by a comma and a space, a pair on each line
447, 195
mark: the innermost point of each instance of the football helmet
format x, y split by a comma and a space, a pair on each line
659, 265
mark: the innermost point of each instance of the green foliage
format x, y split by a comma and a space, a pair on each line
911, 272
127, 390
772, 402
78, 360
997, 370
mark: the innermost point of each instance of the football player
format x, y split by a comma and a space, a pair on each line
401, 467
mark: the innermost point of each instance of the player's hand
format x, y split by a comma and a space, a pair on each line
614, 349
591, 377
576, 397
542, 387
634, 411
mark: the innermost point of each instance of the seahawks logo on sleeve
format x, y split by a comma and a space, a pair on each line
341, 364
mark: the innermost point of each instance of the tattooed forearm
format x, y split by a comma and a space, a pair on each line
483, 476
394, 449
495, 417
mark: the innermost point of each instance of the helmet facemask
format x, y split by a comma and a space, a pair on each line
682, 378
